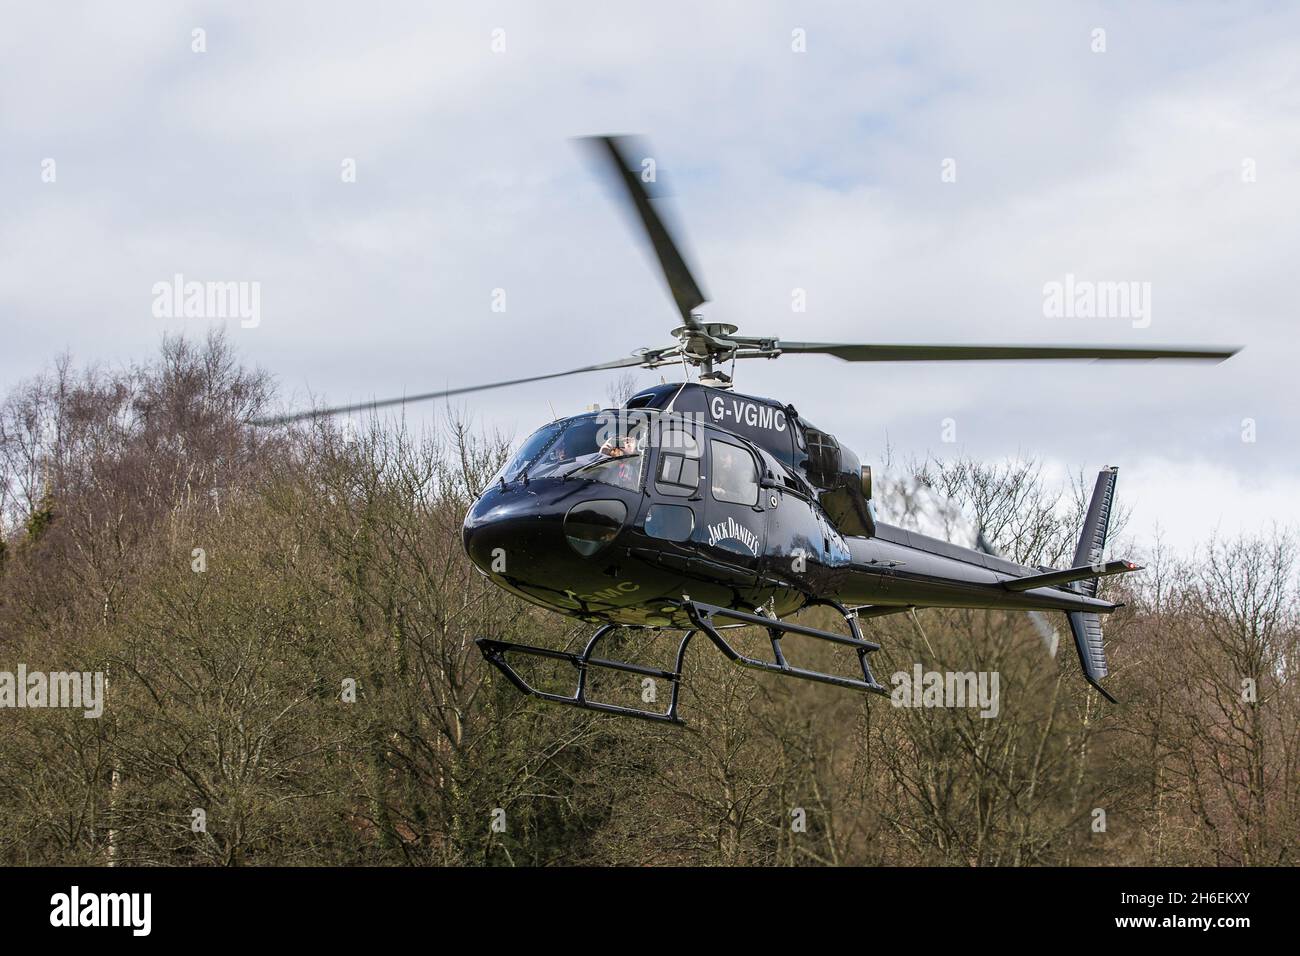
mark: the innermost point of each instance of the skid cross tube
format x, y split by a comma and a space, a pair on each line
703, 617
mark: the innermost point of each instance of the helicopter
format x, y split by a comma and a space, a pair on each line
693, 507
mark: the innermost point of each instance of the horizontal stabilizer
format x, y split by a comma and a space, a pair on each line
1051, 579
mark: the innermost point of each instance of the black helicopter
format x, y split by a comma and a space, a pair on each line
696, 508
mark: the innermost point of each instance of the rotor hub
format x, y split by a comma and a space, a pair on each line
711, 329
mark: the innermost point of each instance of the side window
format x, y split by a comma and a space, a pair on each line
678, 472
735, 476
670, 522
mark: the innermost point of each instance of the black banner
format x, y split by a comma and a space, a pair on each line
923, 906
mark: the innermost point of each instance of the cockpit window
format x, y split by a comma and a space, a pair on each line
677, 435
605, 446
679, 458
528, 451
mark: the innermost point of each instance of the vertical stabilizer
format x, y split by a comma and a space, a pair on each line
1084, 625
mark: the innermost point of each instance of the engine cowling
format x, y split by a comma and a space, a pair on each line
843, 483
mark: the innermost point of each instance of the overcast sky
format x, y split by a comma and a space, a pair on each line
1170, 158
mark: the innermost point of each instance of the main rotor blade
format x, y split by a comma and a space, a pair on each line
997, 353
686, 291
445, 393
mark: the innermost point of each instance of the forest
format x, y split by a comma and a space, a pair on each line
285, 621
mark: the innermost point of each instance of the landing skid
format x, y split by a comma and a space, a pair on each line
704, 617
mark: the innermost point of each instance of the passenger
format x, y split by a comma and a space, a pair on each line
724, 468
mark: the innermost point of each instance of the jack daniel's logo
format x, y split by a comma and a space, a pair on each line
733, 530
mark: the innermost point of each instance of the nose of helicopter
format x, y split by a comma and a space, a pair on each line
538, 539
497, 530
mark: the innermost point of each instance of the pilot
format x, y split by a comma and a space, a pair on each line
627, 447
620, 449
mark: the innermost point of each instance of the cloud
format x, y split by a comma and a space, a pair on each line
818, 171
